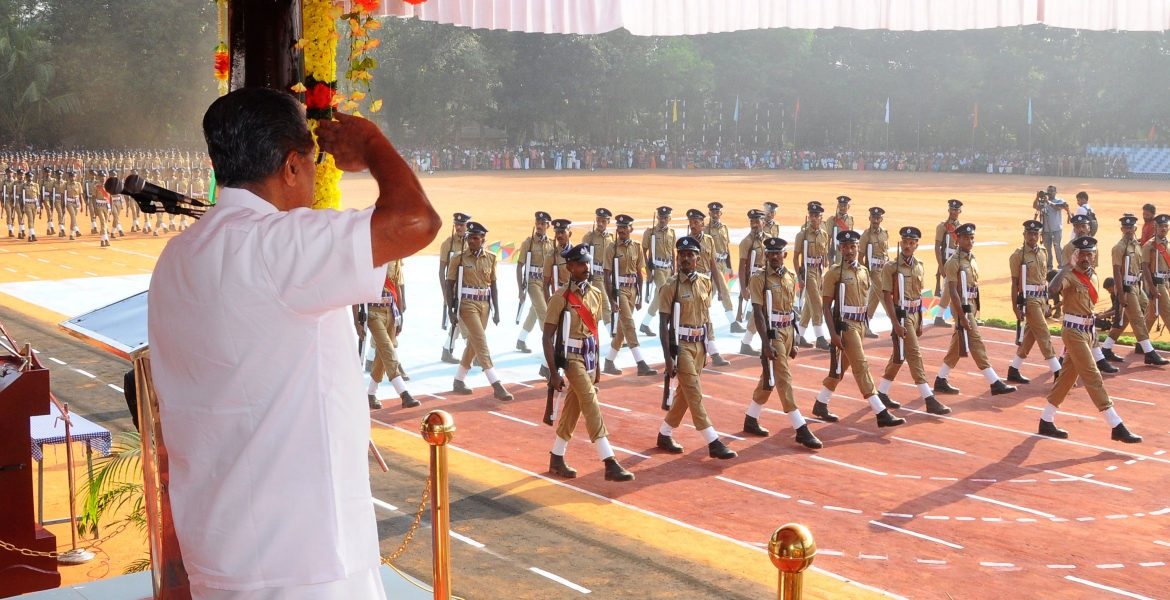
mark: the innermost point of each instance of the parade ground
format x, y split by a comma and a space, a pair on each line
969, 505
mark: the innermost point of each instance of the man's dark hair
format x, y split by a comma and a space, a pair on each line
250, 131
1150, 208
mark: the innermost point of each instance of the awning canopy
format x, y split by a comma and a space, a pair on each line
693, 17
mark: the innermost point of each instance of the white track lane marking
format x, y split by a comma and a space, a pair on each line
1134, 401
996, 564
467, 540
752, 487
116, 388
1153, 564
839, 509
60, 362
1093, 481
511, 418
943, 448
614, 407
845, 464
927, 561
90, 375
1062, 566
559, 579
385, 505
1111, 566
720, 434
917, 535
628, 451
1012, 506
1061, 412
1161, 543
1151, 382
1107, 588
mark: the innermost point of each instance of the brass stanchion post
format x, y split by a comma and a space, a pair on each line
792, 550
74, 556
437, 429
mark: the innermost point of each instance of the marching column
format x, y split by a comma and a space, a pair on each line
599, 240
1082, 225
718, 232
471, 282
625, 284
751, 260
946, 243
1132, 302
556, 271
385, 324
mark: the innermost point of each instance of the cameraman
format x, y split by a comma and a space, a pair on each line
1048, 212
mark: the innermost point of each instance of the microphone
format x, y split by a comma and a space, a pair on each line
135, 184
152, 198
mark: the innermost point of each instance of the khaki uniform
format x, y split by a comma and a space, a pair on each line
706, 257
783, 288
694, 298
533, 280
47, 202
630, 264
479, 272
1035, 291
718, 232
598, 244
659, 243
9, 196
912, 275
71, 195
771, 229
852, 313
58, 196
946, 240
30, 199
383, 322
100, 201
752, 245
963, 262
1067, 252
451, 247
580, 398
814, 264
555, 270
875, 252
1133, 314
1154, 254
832, 225
1078, 348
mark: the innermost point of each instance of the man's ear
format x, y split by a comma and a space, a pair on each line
289, 168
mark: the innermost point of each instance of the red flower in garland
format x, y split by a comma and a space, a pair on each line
414, 1
222, 62
372, 5
319, 96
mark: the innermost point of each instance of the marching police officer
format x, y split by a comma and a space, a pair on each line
71, 194
751, 259
30, 198
1030, 297
599, 239
719, 234
1131, 300
454, 245
535, 250
946, 243
773, 293
625, 255
771, 227
1157, 272
471, 286
809, 260
707, 266
658, 242
100, 201
57, 194
1082, 225
875, 248
8, 196
840, 221
385, 322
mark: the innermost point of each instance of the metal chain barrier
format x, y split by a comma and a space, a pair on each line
36, 553
422, 507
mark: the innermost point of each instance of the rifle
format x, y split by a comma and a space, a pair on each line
1022, 302
524, 285
559, 361
1122, 304
450, 255
965, 342
457, 301
615, 301
751, 265
672, 345
900, 314
363, 317
650, 267
836, 366
769, 375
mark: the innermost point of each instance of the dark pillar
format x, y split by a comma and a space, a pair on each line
262, 37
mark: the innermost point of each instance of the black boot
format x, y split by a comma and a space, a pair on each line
615, 472
746, 350
543, 372
999, 387
716, 449
1104, 366
806, 438
460, 388
869, 334
645, 330
823, 344
610, 368
1153, 358
821, 411
887, 402
718, 361
408, 401
942, 386
752, 425
644, 369
522, 346
501, 393
1121, 434
803, 343
737, 328
557, 466
934, 407
665, 442
1015, 377
939, 321
375, 404
448, 358
885, 419
1048, 428
1111, 356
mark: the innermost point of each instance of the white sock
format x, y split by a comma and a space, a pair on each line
819, 330
646, 319
1108, 343
491, 375
637, 352
989, 375
523, 335
373, 388
1053, 365
1097, 354
824, 395
747, 338
709, 434
559, 446
666, 430
876, 403
612, 354
105, 238
399, 385
884, 385
925, 391
796, 419
711, 349
1048, 414
604, 450
1111, 417
944, 371
1147, 346
730, 316
461, 373
1017, 362
754, 410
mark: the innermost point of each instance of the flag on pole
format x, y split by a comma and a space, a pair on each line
674, 117
1029, 111
887, 109
735, 117
1151, 135
976, 125
796, 113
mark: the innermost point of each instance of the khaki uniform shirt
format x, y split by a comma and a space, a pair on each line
58, 191
478, 271
1154, 258
856, 280
1133, 250
541, 249
771, 229
629, 255
578, 330
912, 275
751, 242
199, 188
449, 248
694, 300
963, 262
818, 245
874, 247
835, 221
663, 252
1074, 295
30, 191
1037, 261
782, 286
561, 275
706, 254
718, 232
944, 239
598, 243
71, 191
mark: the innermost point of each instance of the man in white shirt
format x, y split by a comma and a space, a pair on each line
1083, 208
253, 358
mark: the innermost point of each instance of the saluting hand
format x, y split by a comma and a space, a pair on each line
353, 141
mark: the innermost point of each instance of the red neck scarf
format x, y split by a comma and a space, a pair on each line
1088, 283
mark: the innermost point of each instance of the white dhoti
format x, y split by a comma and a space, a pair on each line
362, 585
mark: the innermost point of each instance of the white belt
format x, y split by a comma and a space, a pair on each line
1162, 274
597, 268
535, 272
722, 256
813, 261
1035, 291
876, 263
576, 343
782, 319
949, 252
627, 280
853, 313
663, 263
972, 291
1131, 279
471, 293
1075, 320
692, 334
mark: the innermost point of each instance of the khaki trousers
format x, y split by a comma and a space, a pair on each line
912, 350
49, 206
1036, 330
978, 350
782, 377
473, 318
10, 213
115, 208
1079, 362
875, 299
688, 395
660, 276
538, 306
598, 281
721, 287
102, 214
59, 206
580, 399
813, 310
71, 208
1160, 307
382, 329
854, 360
30, 216
1136, 304
627, 330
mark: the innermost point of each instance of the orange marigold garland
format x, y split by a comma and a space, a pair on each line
223, 61
320, 88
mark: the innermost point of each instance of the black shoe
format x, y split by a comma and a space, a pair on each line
408, 401
885, 419
665, 442
806, 438
501, 393
887, 402
615, 472
942, 386
1153, 358
448, 358
523, 347
645, 330
32, 237
557, 466
374, 402
1015, 377
803, 343
716, 449
746, 350
1112, 356
1138, 350
645, 370
823, 344
934, 407
737, 328
718, 361
821, 411
939, 321
999, 387
752, 426
543, 372
1104, 366
869, 334
1049, 429
610, 368
1121, 434
460, 388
